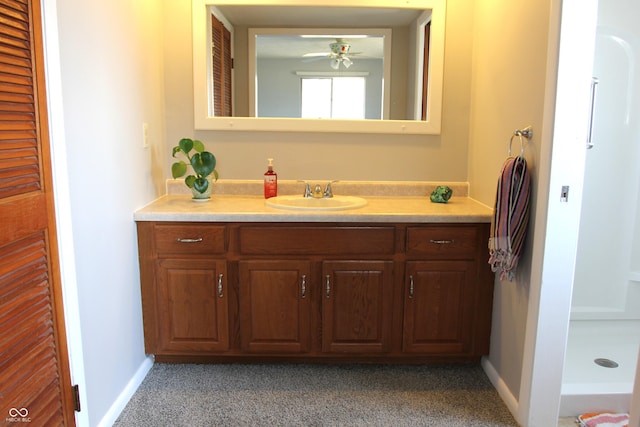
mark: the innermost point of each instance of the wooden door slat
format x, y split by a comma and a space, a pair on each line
12, 107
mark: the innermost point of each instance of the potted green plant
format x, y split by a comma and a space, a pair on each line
203, 164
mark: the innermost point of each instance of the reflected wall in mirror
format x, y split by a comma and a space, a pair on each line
368, 69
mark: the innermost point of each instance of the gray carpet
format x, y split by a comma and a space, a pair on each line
315, 395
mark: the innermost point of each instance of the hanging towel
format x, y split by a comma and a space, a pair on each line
603, 419
510, 217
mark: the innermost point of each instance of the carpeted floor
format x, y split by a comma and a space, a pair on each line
316, 395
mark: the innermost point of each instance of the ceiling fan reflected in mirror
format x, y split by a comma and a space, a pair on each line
339, 53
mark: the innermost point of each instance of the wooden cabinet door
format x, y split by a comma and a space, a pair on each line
357, 302
275, 308
192, 306
438, 307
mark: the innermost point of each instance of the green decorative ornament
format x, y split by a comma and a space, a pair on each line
441, 194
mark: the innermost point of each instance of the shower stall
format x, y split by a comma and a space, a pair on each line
604, 332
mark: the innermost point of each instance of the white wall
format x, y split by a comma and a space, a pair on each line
110, 83
509, 75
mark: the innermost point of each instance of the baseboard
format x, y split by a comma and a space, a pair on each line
576, 404
501, 387
121, 402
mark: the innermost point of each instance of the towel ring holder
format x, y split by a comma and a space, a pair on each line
521, 133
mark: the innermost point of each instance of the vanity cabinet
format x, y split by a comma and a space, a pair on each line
276, 302
448, 290
315, 291
275, 308
184, 288
357, 303
287, 270
438, 307
192, 308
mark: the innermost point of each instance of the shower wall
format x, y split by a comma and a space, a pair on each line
607, 277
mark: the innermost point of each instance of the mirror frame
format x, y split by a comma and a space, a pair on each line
203, 121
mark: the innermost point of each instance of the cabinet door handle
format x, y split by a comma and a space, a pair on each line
220, 293
327, 286
181, 240
303, 286
410, 286
441, 242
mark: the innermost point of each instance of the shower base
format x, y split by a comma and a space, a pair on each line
588, 386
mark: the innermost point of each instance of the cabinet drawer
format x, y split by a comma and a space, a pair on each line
442, 241
316, 240
190, 238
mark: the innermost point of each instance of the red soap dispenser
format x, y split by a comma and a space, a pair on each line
270, 181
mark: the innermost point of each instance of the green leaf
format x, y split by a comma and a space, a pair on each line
176, 149
198, 146
178, 169
201, 184
186, 145
203, 163
190, 180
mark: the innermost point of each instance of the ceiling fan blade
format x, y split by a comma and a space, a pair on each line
313, 58
315, 54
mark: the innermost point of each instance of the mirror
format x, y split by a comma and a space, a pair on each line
266, 32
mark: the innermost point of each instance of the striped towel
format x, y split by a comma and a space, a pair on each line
603, 419
510, 219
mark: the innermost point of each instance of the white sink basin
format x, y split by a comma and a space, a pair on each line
335, 203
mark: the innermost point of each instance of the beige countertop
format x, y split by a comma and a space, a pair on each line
251, 208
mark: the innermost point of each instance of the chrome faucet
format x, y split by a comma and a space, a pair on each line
307, 190
317, 191
328, 193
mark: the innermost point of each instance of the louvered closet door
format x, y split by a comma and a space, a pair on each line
35, 383
222, 67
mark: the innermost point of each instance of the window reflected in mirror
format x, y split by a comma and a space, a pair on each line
333, 98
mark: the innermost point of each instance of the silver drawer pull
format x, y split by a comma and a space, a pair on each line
303, 286
198, 240
220, 293
410, 286
441, 242
328, 286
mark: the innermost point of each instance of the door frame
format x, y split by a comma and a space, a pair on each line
62, 204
